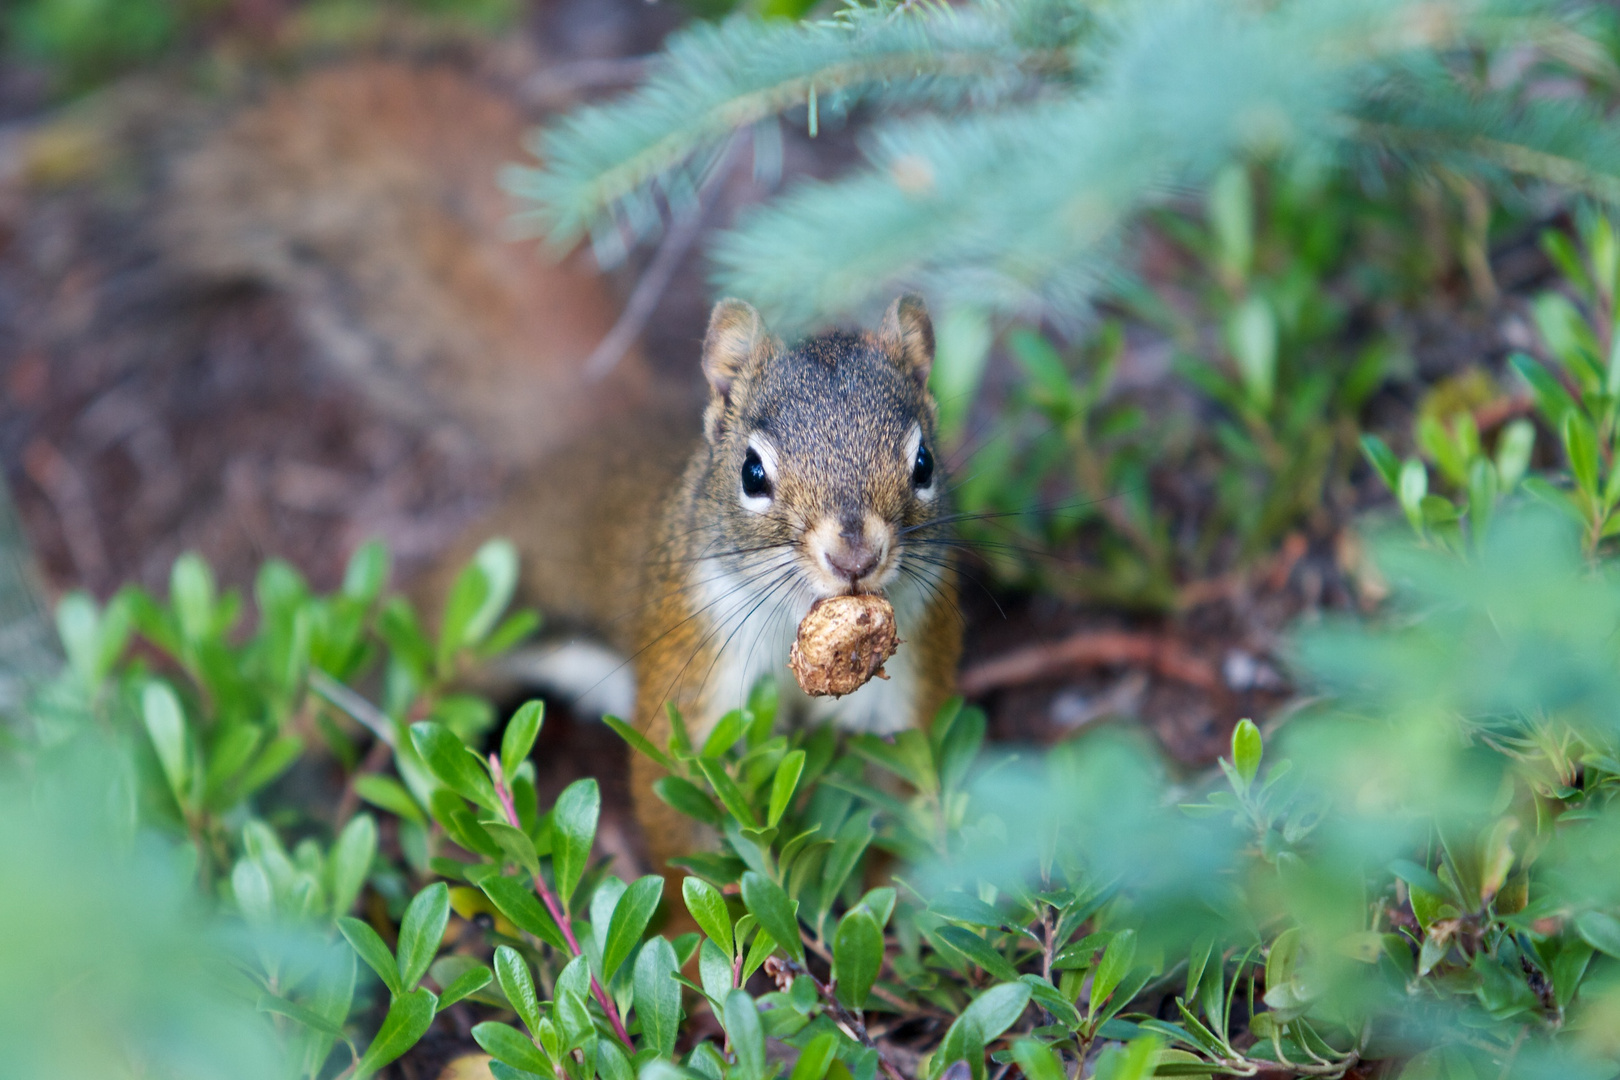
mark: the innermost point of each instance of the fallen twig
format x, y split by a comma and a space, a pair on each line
1093, 648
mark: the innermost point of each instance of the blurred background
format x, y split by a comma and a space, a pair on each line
1222, 291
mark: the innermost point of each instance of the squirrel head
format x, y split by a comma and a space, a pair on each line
823, 456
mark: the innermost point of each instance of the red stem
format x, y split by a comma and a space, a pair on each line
558, 912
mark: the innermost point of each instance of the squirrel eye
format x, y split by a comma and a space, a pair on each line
922, 470
755, 483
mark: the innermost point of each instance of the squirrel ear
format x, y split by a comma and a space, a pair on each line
736, 333
735, 337
907, 335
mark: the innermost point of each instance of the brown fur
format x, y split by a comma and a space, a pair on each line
368, 193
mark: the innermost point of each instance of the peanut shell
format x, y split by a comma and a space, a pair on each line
843, 642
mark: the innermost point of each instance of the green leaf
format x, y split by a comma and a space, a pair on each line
93, 642
639, 742
518, 903
964, 337
506, 1044
466, 830
611, 1062
407, 1021
1567, 969
730, 794
687, 798
1599, 930
758, 952
1580, 445
1053, 1001
857, 956
658, 995
1251, 334
308, 1017
715, 970
478, 596
746, 1034
709, 909
1230, 206
230, 753
976, 949
455, 766
468, 982
1198, 959
1383, 460
1038, 1062
572, 1014
1246, 751
908, 756
421, 931
726, 732
1115, 965
367, 572
517, 984
515, 845
630, 918
350, 862
959, 746
762, 705
166, 725
817, 1057
1200, 1034
1043, 365
498, 560
985, 1018
1281, 959
1419, 877
1413, 488
372, 950
1124, 994
784, 784
191, 594
960, 907
387, 794
1483, 488
777, 915
1552, 399
880, 902
272, 761
573, 830
1131, 1061
334, 994
519, 737
508, 632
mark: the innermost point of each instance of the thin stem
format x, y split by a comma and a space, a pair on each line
851, 1024
359, 709
558, 913
902, 1006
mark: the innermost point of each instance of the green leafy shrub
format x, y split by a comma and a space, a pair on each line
1414, 873
1577, 399
1261, 326
86, 41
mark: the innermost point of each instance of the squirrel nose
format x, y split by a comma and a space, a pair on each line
853, 559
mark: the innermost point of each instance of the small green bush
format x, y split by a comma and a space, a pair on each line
1416, 872
86, 41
